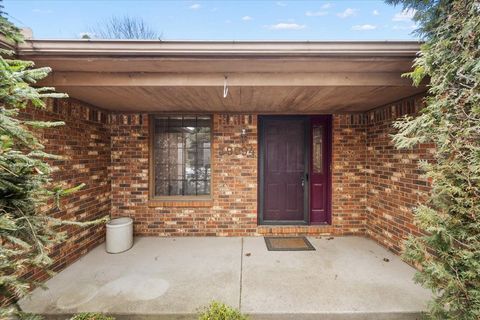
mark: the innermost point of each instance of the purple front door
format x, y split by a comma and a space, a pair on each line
284, 169
294, 170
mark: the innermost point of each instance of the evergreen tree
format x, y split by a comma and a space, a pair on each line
27, 193
448, 255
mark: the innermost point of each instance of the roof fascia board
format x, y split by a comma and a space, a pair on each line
119, 48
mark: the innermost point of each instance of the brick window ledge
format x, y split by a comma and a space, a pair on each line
193, 202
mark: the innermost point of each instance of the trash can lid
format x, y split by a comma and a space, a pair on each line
119, 222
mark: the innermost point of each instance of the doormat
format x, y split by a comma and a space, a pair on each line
288, 244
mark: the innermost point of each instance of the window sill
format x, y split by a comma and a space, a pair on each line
180, 202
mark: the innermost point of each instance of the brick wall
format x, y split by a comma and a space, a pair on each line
394, 183
233, 208
84, 143
348, 175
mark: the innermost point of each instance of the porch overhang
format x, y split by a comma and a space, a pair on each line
262, 77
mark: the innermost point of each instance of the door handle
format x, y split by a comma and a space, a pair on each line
304, 179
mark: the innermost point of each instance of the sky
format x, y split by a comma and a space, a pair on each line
221, 20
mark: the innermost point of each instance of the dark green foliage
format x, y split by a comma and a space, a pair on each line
27, 194
449, 254
429, 14
220, 311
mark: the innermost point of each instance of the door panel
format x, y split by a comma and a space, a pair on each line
318, 202
284, 166
320, 170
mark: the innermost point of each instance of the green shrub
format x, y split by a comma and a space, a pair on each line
448, 253
91, 316
220, 311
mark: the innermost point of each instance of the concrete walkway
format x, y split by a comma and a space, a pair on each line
171, 278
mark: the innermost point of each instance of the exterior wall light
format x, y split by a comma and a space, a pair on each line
243, 135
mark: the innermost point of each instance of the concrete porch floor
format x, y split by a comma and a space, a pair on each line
171, 278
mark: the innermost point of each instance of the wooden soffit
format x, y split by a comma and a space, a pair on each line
263, 77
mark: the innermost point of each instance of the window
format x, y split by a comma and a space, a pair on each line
181, 155
317, 149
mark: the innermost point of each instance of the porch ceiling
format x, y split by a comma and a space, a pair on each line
263, 77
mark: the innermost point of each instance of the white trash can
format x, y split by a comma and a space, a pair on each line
119, 235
